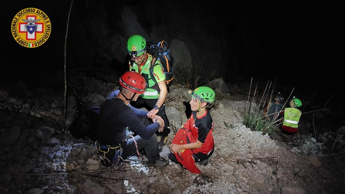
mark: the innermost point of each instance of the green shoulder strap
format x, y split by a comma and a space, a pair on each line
152, 65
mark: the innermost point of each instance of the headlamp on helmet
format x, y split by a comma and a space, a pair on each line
297, 102
136, 45
279, 98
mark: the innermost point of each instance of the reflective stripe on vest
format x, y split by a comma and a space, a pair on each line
290, 121
150, 93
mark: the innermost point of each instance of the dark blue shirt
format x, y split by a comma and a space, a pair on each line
114, 118
274, 108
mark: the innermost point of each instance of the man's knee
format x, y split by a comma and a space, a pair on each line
153, 139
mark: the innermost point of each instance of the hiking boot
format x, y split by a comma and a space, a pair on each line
161, 162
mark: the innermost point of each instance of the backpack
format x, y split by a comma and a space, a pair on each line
86, 122
86, 125
160, 51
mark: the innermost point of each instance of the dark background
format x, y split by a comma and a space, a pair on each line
297, 44
298, 40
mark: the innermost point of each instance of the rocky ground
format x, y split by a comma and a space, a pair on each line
39, 155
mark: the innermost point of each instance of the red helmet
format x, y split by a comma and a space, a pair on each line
133, 81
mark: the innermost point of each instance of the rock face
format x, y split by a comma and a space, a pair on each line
209, 41
41, 156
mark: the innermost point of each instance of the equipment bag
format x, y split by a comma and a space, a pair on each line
161, 51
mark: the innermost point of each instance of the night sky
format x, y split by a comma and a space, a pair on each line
299, 43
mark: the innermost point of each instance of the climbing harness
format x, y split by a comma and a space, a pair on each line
110, 155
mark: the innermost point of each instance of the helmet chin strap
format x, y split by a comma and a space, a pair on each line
129, 99
200, 109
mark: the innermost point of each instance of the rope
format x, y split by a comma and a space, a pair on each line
136, 147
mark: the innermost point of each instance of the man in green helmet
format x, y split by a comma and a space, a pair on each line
292, 116
156, 91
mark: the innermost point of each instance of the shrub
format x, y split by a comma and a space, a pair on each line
256, 121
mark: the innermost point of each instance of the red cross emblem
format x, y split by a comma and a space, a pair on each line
31, 26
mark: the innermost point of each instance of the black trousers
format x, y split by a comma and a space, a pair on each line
149, 104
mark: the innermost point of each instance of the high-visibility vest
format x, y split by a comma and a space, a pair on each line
152, 89
291, 117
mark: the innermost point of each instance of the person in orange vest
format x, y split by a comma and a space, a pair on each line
292, 116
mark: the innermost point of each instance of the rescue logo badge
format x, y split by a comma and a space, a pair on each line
31, 27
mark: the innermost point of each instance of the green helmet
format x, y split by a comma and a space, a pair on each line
297, 102
136, 45
204, 94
